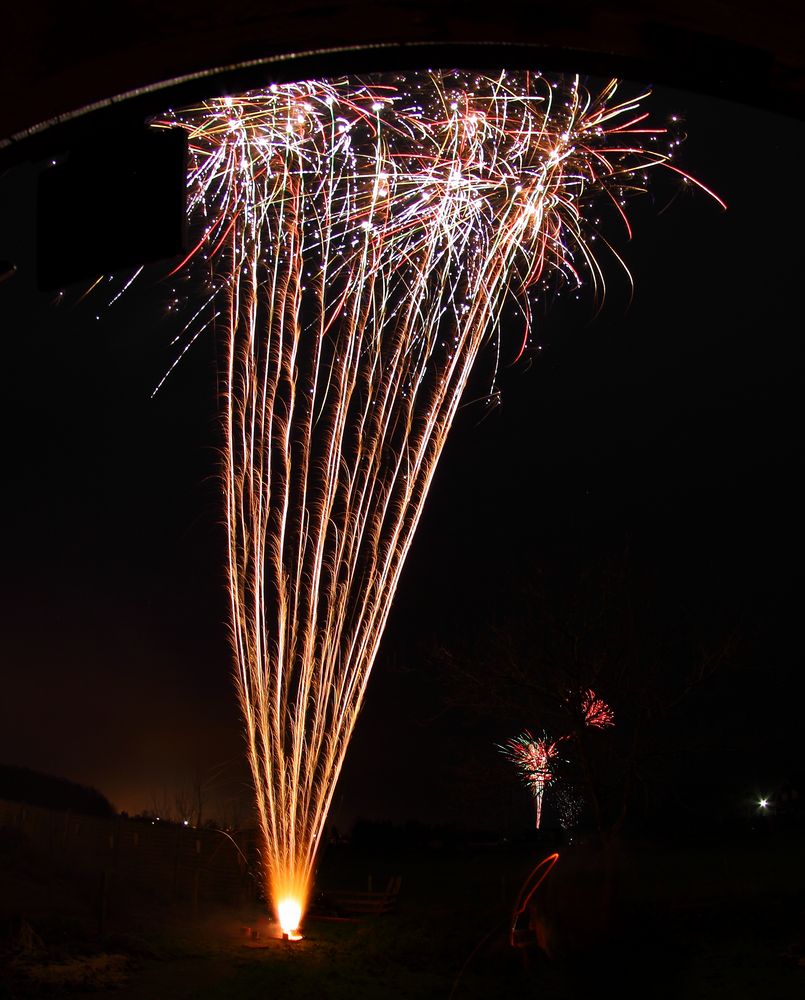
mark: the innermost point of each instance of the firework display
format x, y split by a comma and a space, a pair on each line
595, 711
569, 805
360, 240
533, 755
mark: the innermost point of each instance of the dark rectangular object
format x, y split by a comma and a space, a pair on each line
116, 202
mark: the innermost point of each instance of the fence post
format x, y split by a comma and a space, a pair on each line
176, 864
103, 902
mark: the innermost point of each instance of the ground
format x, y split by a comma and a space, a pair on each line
699, 921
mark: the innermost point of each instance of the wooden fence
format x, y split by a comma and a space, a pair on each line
171, 862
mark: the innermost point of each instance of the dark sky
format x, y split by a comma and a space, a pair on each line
670, 426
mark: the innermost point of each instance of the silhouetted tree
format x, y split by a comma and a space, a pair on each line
21, 784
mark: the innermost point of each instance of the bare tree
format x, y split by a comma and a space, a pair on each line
188, 797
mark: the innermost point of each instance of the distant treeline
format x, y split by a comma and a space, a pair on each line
383, 834
21, 784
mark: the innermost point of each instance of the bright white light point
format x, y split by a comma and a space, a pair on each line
453, 106
228, 102
289, 912
763, 803
377, 106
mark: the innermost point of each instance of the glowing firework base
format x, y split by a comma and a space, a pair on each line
289, 912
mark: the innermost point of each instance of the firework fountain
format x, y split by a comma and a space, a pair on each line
361, 239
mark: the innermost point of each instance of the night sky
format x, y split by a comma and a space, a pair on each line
669, 427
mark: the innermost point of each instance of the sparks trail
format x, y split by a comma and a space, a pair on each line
363, 238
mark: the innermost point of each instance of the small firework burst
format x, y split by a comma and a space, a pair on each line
533, 757
597, 714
